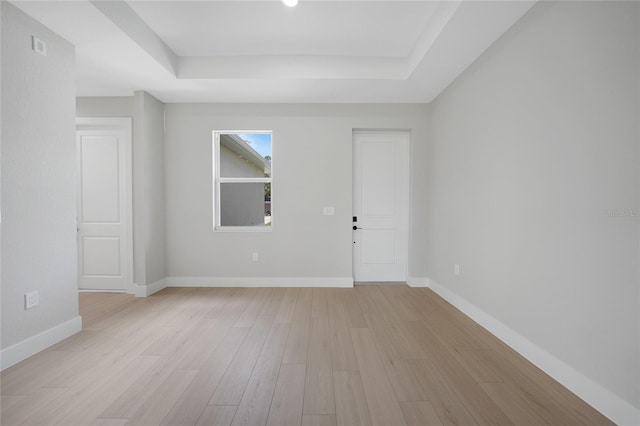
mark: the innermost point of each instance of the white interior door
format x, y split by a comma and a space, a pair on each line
105, 255
380, 206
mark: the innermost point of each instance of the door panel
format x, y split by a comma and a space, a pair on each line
101, 256
380, 192
99, 172
378, 246
105, 254
378, 178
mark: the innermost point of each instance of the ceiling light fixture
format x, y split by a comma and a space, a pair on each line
290, 3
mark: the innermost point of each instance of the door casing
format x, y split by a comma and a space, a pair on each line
121, 128
382, 225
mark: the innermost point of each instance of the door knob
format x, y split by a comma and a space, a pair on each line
355, 227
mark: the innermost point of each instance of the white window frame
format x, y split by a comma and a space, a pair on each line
217, 180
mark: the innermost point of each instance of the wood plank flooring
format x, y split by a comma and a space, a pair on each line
371, 355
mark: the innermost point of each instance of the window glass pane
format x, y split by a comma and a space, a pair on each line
245, 155
245, 204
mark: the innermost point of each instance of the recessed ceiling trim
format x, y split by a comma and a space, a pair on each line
118, 53
438, 22
451, 54
294, 67
121, 14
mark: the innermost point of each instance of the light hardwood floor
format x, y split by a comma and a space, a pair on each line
371, 355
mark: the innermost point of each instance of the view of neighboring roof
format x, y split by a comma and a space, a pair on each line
240, 147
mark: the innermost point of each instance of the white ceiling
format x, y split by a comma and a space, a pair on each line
210, 28
321, 51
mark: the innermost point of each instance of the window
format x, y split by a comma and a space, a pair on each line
242, 180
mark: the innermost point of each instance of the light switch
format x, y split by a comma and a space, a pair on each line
329, 211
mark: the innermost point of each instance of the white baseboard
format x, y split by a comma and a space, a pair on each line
417, 282
259, 282
41, 341
610, 405
149, 289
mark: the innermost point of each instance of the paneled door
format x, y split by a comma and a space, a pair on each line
105, 254
380, 206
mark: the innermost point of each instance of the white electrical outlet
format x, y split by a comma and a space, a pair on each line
254, 256
31, 300
456, 269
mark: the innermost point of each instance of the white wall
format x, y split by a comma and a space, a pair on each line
312, 163
529, 150
104, 106
38, 187
148, 190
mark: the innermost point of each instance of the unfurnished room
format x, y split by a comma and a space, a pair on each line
319, 212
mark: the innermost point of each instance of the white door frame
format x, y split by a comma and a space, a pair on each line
124, 124
404, 187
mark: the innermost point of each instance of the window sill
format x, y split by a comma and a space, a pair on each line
243, 228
